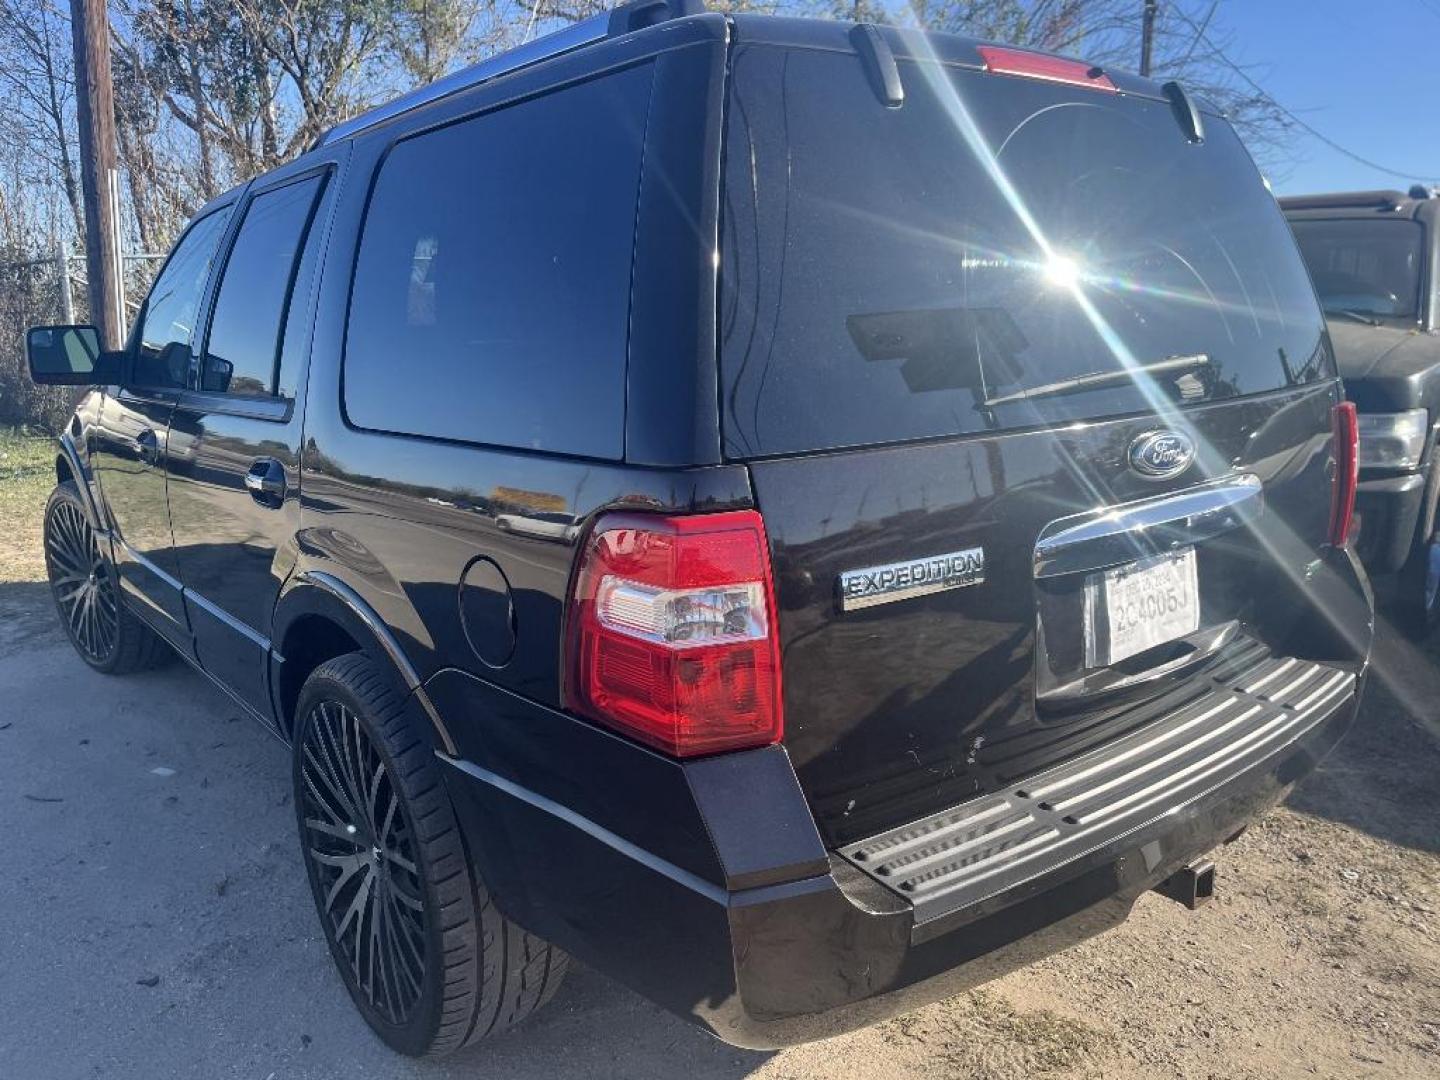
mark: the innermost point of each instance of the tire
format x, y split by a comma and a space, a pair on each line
107, 634
1419, 586
390, 868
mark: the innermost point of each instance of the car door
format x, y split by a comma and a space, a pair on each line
129, 441
235, 437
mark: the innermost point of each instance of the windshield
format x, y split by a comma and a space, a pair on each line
902, 273
1364, 266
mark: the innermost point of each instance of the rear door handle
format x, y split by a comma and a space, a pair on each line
266, 482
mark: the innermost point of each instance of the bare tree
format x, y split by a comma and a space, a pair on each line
210, 92
427, 37
1190, 46
36, 73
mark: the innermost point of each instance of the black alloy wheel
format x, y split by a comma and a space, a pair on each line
426, 955
359, 842
82, 582
105, 632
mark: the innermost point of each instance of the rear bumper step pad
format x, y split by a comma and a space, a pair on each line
973, 851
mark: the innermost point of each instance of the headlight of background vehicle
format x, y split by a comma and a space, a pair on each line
1392, 440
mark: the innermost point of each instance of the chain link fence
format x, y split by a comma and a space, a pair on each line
50, 288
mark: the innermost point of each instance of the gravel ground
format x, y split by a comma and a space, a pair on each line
157, 921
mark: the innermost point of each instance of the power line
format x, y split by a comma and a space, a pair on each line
1294, 119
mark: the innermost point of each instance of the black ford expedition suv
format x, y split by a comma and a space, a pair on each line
1373, 256
802, 517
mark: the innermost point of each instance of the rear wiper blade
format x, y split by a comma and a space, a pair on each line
1097, 379
1358, 316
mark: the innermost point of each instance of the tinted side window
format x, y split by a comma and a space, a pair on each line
1368, 266
174, 303
492, 288
244, 344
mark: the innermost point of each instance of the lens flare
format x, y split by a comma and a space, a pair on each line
1286, 549
1061, 271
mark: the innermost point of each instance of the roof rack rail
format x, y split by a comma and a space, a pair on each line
1387, 200
628, 17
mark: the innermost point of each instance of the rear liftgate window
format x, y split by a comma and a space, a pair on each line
492, 289
996, 253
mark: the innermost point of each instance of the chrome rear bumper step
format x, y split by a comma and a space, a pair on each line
973, 851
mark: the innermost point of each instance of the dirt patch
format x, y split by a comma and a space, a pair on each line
1319, 957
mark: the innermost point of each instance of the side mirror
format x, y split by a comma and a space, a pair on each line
218, 374
70, 356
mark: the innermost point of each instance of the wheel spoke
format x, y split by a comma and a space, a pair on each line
396, 943
340, 758
358, 840
87, 623
357, 904
325, 858
83, 587
411, 902
383, 833
105, 611
75, 613
337, 805
409, 939
399, 860
69, 594
371, 794
348, 872
340, 771
378, 985
355, 763
63, 555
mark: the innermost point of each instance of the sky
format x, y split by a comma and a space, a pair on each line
1366, 73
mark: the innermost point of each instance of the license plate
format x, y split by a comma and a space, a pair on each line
1136, 607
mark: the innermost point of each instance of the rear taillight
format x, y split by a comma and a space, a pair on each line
1346, 429
672, 632
1040, 66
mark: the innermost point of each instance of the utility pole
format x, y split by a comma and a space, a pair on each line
1147, 35
95, 111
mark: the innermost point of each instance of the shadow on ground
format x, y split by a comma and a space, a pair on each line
157, 918
152, 838
1384, 779
26, 614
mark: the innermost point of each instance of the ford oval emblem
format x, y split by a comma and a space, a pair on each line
1159, 455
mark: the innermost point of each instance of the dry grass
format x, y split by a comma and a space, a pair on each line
27, 473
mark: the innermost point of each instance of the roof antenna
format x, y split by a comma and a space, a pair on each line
880, 64
1186, 111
